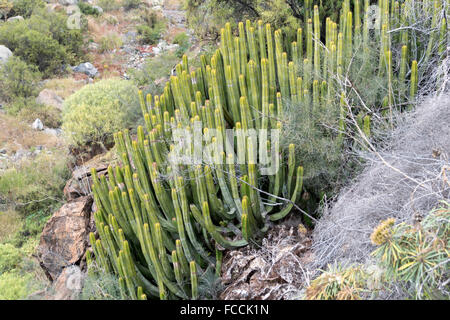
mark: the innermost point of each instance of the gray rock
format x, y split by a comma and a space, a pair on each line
99, 9
16, 18
37, 125
5, 54
68, 2
86, 68
21, 153
53, 132
50, 98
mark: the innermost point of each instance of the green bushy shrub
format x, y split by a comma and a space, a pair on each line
18, 79
95, 112
35, 185
43, 40
10, 257
14, 286
87, 9
206, 17
148, 35
25, 8
131, 4
109, 5
182, 39
110, 42
153, 70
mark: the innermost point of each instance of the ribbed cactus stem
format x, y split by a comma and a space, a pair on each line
414, 81
194, 281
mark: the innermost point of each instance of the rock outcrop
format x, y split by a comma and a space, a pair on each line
65, 237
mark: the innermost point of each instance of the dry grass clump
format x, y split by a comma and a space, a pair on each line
64, 87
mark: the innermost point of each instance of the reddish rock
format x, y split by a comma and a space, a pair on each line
65, 237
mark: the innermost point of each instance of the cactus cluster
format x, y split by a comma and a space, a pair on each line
161, 222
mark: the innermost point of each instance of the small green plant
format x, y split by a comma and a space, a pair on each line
110, 42
25, 8
109, 5
182, 39
10, 257
153, 70
131, 4
87, 9
100, 285
417, 256
36, 184
148, 35
94, 113
414, 257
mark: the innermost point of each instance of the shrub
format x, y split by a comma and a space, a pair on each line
9, 223
154, 69
35, 184
109, 5
14, 286
131, 4
110, 42
10, 258
410, 259
87, 9
96, 111
18, 79
148, 35
43, 40
25, 8
182, 39
5, 8
206, 17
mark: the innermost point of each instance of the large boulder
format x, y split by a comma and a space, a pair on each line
5, 54
65, 237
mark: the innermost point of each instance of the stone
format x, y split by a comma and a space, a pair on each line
65, 237
86, 68
16, 18
50, 98
69, 284
5, 54
37, 125
68, 2
53, 132
99, 9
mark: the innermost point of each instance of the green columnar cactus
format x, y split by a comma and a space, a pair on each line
163, 222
